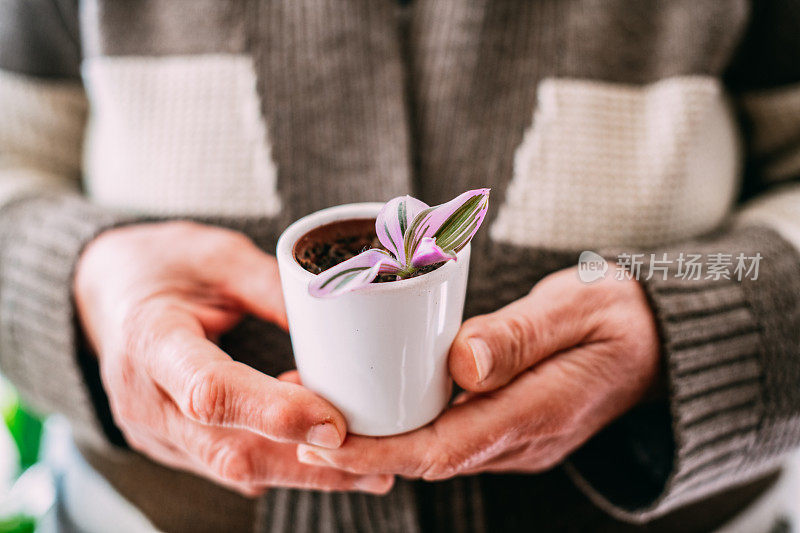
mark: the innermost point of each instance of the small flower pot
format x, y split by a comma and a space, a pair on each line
379, 354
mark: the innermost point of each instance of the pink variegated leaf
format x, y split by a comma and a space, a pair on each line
393, 220
356, 272
451, 224
429, 253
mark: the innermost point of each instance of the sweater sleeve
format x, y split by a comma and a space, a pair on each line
729, 339
729, 350
44, 220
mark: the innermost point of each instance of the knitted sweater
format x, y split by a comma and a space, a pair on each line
647, 126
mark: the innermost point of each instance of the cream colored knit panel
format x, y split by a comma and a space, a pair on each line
41, 131
607, 164
180, 135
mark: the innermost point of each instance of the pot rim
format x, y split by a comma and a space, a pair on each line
287, 240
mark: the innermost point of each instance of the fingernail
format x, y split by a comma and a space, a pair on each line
482, 356
324, 435
374, 483
309, 457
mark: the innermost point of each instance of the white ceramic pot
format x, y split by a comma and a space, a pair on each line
379, 354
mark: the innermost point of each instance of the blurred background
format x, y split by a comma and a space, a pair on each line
27, 481
42, 474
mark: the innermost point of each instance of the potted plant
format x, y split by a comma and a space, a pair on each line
374, 295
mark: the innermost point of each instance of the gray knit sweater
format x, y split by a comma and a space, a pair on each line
605, 125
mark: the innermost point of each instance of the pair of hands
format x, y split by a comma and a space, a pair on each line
541, 375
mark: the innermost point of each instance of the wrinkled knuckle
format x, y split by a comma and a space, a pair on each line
517, 331
441, 463
206, 398
233, 462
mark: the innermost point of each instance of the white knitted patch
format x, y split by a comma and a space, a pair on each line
178, 135
608, 164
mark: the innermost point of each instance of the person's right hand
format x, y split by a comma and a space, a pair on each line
151, 300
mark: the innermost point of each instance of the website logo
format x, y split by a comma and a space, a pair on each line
591, 267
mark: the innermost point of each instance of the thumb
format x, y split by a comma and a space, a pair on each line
250, 277
490, 350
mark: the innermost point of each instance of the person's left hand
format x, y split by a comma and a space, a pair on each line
542, 376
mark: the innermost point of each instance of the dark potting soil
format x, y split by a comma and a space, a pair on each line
328, 245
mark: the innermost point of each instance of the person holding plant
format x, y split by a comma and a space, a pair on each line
152, 152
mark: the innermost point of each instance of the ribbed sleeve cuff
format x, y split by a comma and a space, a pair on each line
40, 241
730, 353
